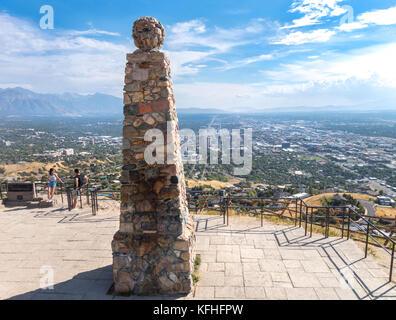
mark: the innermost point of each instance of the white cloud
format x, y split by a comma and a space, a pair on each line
79, 61
258, 58
375, 64
227, 96
314, 11
247, 61
364, 77
194, 33
261, 96
298, 37
20, 37
379, 17
190, 43
94, 31
186, 62
76, 61
317, 11
193, 26
348, 27
302, 22
58, 61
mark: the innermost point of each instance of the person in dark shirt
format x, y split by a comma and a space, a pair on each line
79, 181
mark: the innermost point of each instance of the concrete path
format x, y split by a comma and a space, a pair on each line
242, 261
246, 261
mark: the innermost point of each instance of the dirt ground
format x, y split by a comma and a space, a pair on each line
316, 200
385, 212
13, 170
191, 183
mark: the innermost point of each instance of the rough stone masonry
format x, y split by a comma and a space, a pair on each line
153, 252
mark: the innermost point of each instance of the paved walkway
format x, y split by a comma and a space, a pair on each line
245, 260
242, 261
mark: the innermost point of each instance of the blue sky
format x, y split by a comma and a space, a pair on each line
250, 55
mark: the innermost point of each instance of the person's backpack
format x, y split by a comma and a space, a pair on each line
81, 180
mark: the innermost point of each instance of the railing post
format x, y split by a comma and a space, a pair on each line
349, 224
93, 205
391, 264
300, 213
81, 205
69, 199
306, 220
343, 217
224, 209
295, 220
61, 191
228, 214
35, 190
367, 237
327, 223
96, 201
311, 221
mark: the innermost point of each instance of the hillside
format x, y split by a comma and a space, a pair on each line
316, 200
192, 183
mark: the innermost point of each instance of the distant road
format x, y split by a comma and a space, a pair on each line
369, 206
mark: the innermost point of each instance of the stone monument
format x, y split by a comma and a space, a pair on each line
153, 252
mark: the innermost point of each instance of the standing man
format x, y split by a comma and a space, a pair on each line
79, 181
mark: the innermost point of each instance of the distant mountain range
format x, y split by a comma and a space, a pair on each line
23, 102
20, 102
188, 111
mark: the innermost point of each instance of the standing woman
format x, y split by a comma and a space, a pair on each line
52, 178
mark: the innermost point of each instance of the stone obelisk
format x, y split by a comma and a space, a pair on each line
153, 252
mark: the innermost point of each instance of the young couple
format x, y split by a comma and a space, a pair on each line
79, 181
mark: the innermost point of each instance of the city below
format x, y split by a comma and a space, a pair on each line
293, 153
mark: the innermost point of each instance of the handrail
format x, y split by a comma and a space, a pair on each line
360, 227
356, 213
294, 206
375, 227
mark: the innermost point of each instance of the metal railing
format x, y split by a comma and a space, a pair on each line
200, 202
109, 200
344, 218
72, 195
65, 191
207, 201
362, 225
41, 190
